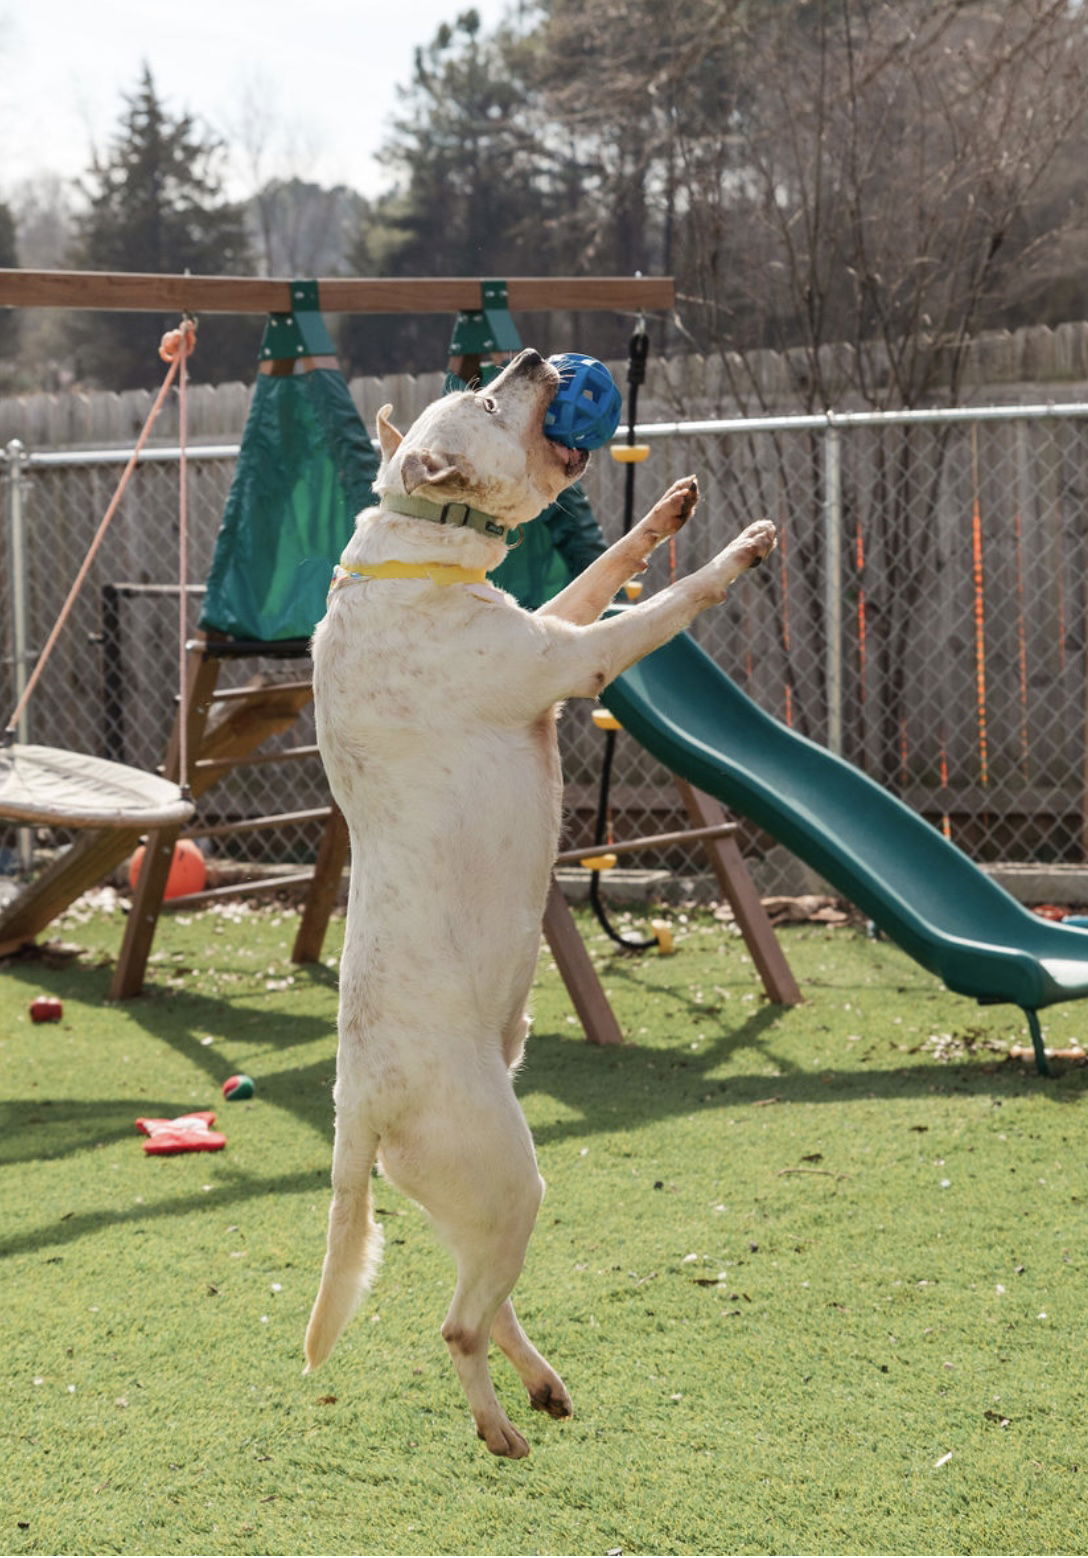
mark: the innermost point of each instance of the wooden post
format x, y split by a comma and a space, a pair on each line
740, 892
578, 974
93, 856
332, 857
128, 976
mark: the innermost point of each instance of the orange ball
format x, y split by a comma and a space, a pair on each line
187, 874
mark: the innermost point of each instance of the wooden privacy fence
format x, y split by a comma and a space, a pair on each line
923, 615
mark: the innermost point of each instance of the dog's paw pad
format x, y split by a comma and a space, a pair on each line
504, 1439
552, 1399
760, 540
673, 509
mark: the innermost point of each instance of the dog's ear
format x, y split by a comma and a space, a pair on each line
388, 437
424, 468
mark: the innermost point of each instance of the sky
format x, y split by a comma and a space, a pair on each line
323, 72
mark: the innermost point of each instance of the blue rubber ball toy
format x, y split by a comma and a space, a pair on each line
586, 410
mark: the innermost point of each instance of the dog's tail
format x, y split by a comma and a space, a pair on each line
352, 1257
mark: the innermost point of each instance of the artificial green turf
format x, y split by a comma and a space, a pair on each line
815, 1278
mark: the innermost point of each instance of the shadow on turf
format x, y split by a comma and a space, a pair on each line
37, 1128
623, 1087
69, 1229
607, 1089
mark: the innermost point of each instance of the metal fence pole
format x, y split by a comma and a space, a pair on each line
16, 458
832, 517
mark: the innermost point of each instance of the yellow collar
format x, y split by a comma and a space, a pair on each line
437, 573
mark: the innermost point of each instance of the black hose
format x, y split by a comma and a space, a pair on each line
637, 352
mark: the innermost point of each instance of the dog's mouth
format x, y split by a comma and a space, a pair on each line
529, 365
573, 461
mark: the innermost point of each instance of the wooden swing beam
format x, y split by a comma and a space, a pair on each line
122, 291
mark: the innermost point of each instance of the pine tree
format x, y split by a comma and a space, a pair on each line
9, 322
467, 197
156, 204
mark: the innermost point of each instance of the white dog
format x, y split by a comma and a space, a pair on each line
436, 702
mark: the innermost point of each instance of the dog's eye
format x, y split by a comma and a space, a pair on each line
489, 405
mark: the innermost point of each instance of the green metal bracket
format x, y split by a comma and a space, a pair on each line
302, 332
477, 332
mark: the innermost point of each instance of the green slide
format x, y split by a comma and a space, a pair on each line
894, 866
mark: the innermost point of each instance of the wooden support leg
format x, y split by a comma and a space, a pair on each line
128, 976
740, 892
332, 856
90, 858
580, 977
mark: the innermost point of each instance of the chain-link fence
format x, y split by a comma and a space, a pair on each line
923, 615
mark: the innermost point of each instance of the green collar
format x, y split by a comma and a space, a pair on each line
444, 513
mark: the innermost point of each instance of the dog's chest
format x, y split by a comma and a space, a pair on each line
417, 696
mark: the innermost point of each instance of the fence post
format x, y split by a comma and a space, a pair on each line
832, 517
17, 460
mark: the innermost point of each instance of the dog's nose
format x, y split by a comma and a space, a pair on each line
529, 358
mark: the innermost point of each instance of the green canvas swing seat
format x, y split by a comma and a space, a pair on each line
304, 471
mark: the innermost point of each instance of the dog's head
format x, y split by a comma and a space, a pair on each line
486, 448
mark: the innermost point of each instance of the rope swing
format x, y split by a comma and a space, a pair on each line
55, 787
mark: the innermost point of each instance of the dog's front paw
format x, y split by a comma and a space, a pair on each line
747, 551
755, 543
673, 509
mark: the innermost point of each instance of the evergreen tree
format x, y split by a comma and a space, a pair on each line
470, 197
9, 325
156, 204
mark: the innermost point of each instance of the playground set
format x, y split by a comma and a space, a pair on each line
304, 470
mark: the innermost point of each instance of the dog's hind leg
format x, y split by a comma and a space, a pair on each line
475, 1173
354, 1240
489, 1261
547, 1393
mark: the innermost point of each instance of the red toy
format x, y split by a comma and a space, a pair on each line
46, 1008
188, 1133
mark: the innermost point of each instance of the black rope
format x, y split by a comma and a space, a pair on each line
637, 352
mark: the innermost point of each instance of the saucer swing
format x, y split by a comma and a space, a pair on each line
54, 787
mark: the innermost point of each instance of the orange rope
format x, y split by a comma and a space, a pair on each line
946, 821
1059, 574
863, 644
980, 619
784, 579
177, 347
1022, 645
100, 534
